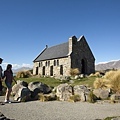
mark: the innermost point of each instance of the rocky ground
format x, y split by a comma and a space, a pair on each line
56, 110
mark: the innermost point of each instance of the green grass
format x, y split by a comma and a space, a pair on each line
109, 118
85, 81
55, 82
49, 81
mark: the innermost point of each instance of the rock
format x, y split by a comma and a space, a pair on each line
20, 91
82, 91
76, 77
23, 94
101, 93
17, 86
38, 87
114, 97
64, 91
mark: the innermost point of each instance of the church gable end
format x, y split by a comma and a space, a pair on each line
82, 57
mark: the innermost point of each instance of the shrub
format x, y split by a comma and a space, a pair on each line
47, 97
114, 78
101, 83
74, 98
74, 71
23, 74
110, 80
97, 74
92, 97
109, 75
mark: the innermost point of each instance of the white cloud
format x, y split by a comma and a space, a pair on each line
27, 65
16, 66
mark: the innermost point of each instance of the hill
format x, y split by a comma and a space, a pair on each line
21, 69
108, 65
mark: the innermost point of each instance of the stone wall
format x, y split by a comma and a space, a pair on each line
65, 62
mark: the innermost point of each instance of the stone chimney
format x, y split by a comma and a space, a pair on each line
72, 41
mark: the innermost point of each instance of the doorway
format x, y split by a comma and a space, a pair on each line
83, 66
36, 70
51, 70
43, 71
61, 69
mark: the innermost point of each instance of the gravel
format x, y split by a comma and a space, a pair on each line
56, 110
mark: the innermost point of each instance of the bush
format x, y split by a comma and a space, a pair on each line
115, 82
92, 97
101, 83
74, 71
74, 98
23, 74
110, 80
97, 74
47, 97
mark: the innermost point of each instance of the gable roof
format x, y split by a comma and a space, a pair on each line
57, 51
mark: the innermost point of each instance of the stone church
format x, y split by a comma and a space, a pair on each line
58, 60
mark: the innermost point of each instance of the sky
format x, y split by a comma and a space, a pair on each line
27, 26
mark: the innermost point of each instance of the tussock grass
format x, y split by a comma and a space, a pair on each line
74, 71
101, 83
23, 74
110, 80
74, 98
114, 78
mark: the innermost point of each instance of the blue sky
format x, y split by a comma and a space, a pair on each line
27, 26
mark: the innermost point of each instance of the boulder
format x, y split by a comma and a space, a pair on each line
101, 93
23, 94
64, 91
115, 97
82, 91
38, 87
17, 86
20, 91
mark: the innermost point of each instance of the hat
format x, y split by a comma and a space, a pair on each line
1, 59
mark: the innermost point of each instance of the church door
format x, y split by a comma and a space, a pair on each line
83, 66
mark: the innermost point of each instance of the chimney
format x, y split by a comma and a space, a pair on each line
72, 40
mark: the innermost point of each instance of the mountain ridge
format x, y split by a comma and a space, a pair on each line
108, 65
21, 69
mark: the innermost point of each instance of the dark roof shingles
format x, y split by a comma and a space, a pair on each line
57, 51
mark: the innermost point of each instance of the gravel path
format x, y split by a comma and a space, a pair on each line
56, 110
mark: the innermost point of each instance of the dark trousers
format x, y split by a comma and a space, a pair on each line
0, 85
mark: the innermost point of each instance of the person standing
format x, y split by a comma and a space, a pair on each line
8, 76
1, 76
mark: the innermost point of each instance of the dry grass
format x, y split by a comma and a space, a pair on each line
74, 71
23, 74
97, 74
101, 83
74, 98
115, 82
110, 80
